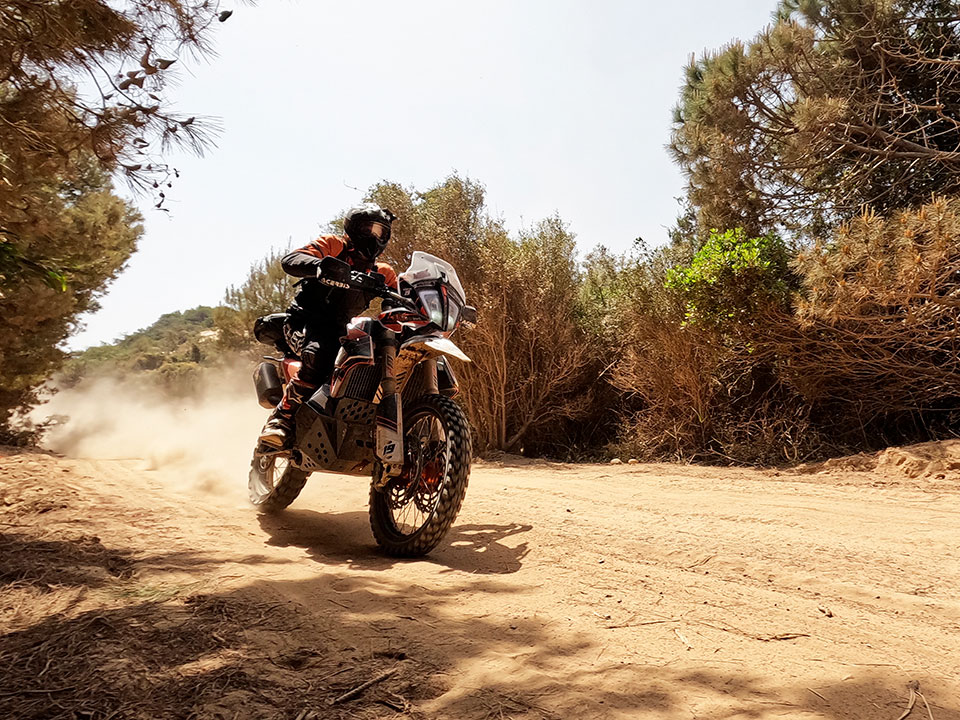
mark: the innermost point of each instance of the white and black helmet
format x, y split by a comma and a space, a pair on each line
368, 227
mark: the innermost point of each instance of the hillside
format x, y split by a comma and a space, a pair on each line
170, 351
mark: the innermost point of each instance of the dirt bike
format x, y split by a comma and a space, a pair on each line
387, 412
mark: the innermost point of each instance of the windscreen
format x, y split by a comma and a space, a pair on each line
425, 267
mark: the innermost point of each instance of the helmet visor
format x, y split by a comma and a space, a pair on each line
378, 230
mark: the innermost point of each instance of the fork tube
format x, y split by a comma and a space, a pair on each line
430, 368
387, 349
388, 433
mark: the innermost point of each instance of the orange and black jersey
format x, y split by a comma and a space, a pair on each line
305, 261
331, 304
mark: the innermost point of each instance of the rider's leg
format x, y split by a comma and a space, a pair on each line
318, 355
278, 430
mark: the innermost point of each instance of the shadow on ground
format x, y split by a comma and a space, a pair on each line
336, 538
247, 654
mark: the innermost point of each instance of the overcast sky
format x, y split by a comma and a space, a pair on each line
556, 106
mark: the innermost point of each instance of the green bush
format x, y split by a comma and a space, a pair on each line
695, 377
734, 278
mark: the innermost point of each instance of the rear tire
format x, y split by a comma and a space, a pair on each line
442, 470
274, 482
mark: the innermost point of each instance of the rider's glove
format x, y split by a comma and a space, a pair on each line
325, 279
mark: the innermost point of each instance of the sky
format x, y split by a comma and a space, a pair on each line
555, 106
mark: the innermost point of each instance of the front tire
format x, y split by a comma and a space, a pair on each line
274, 482
411, 514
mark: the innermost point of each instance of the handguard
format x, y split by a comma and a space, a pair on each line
334, 273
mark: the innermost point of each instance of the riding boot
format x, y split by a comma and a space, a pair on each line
278, 432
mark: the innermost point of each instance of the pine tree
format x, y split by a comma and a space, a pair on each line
840, 104
122, 55
82, 227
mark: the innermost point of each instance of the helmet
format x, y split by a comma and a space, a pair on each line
368, 227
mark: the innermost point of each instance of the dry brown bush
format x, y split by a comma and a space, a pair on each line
670, 370
701, 399
868, 354
877, 339
533, 363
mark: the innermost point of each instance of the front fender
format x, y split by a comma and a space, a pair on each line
437, 346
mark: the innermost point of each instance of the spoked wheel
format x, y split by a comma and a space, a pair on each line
274, 481
410, 515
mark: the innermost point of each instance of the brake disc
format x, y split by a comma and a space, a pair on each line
399, 493
428, 486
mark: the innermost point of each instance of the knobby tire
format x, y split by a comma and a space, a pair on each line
284, 491
453, 488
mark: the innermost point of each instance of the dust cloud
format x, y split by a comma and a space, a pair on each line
198, 444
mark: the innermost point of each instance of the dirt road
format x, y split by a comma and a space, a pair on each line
564, 591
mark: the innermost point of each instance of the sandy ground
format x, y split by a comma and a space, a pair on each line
563, 591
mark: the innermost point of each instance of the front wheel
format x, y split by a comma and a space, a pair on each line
274, 482
411, 513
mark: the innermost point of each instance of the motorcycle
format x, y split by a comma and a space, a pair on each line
387, 411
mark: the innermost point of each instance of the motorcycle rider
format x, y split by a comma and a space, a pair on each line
319, 314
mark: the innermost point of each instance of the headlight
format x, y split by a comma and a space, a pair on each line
433, 306
453, 315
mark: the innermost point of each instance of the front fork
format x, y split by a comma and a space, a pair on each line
388, 433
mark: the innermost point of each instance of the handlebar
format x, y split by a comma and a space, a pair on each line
369, 283
334, 272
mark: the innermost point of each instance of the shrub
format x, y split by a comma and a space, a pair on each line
873, 346
702, 384
733, 278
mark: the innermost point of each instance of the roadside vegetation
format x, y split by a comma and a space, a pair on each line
83, 100
807, 304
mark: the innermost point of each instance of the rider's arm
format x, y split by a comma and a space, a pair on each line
305, 261
389, 275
